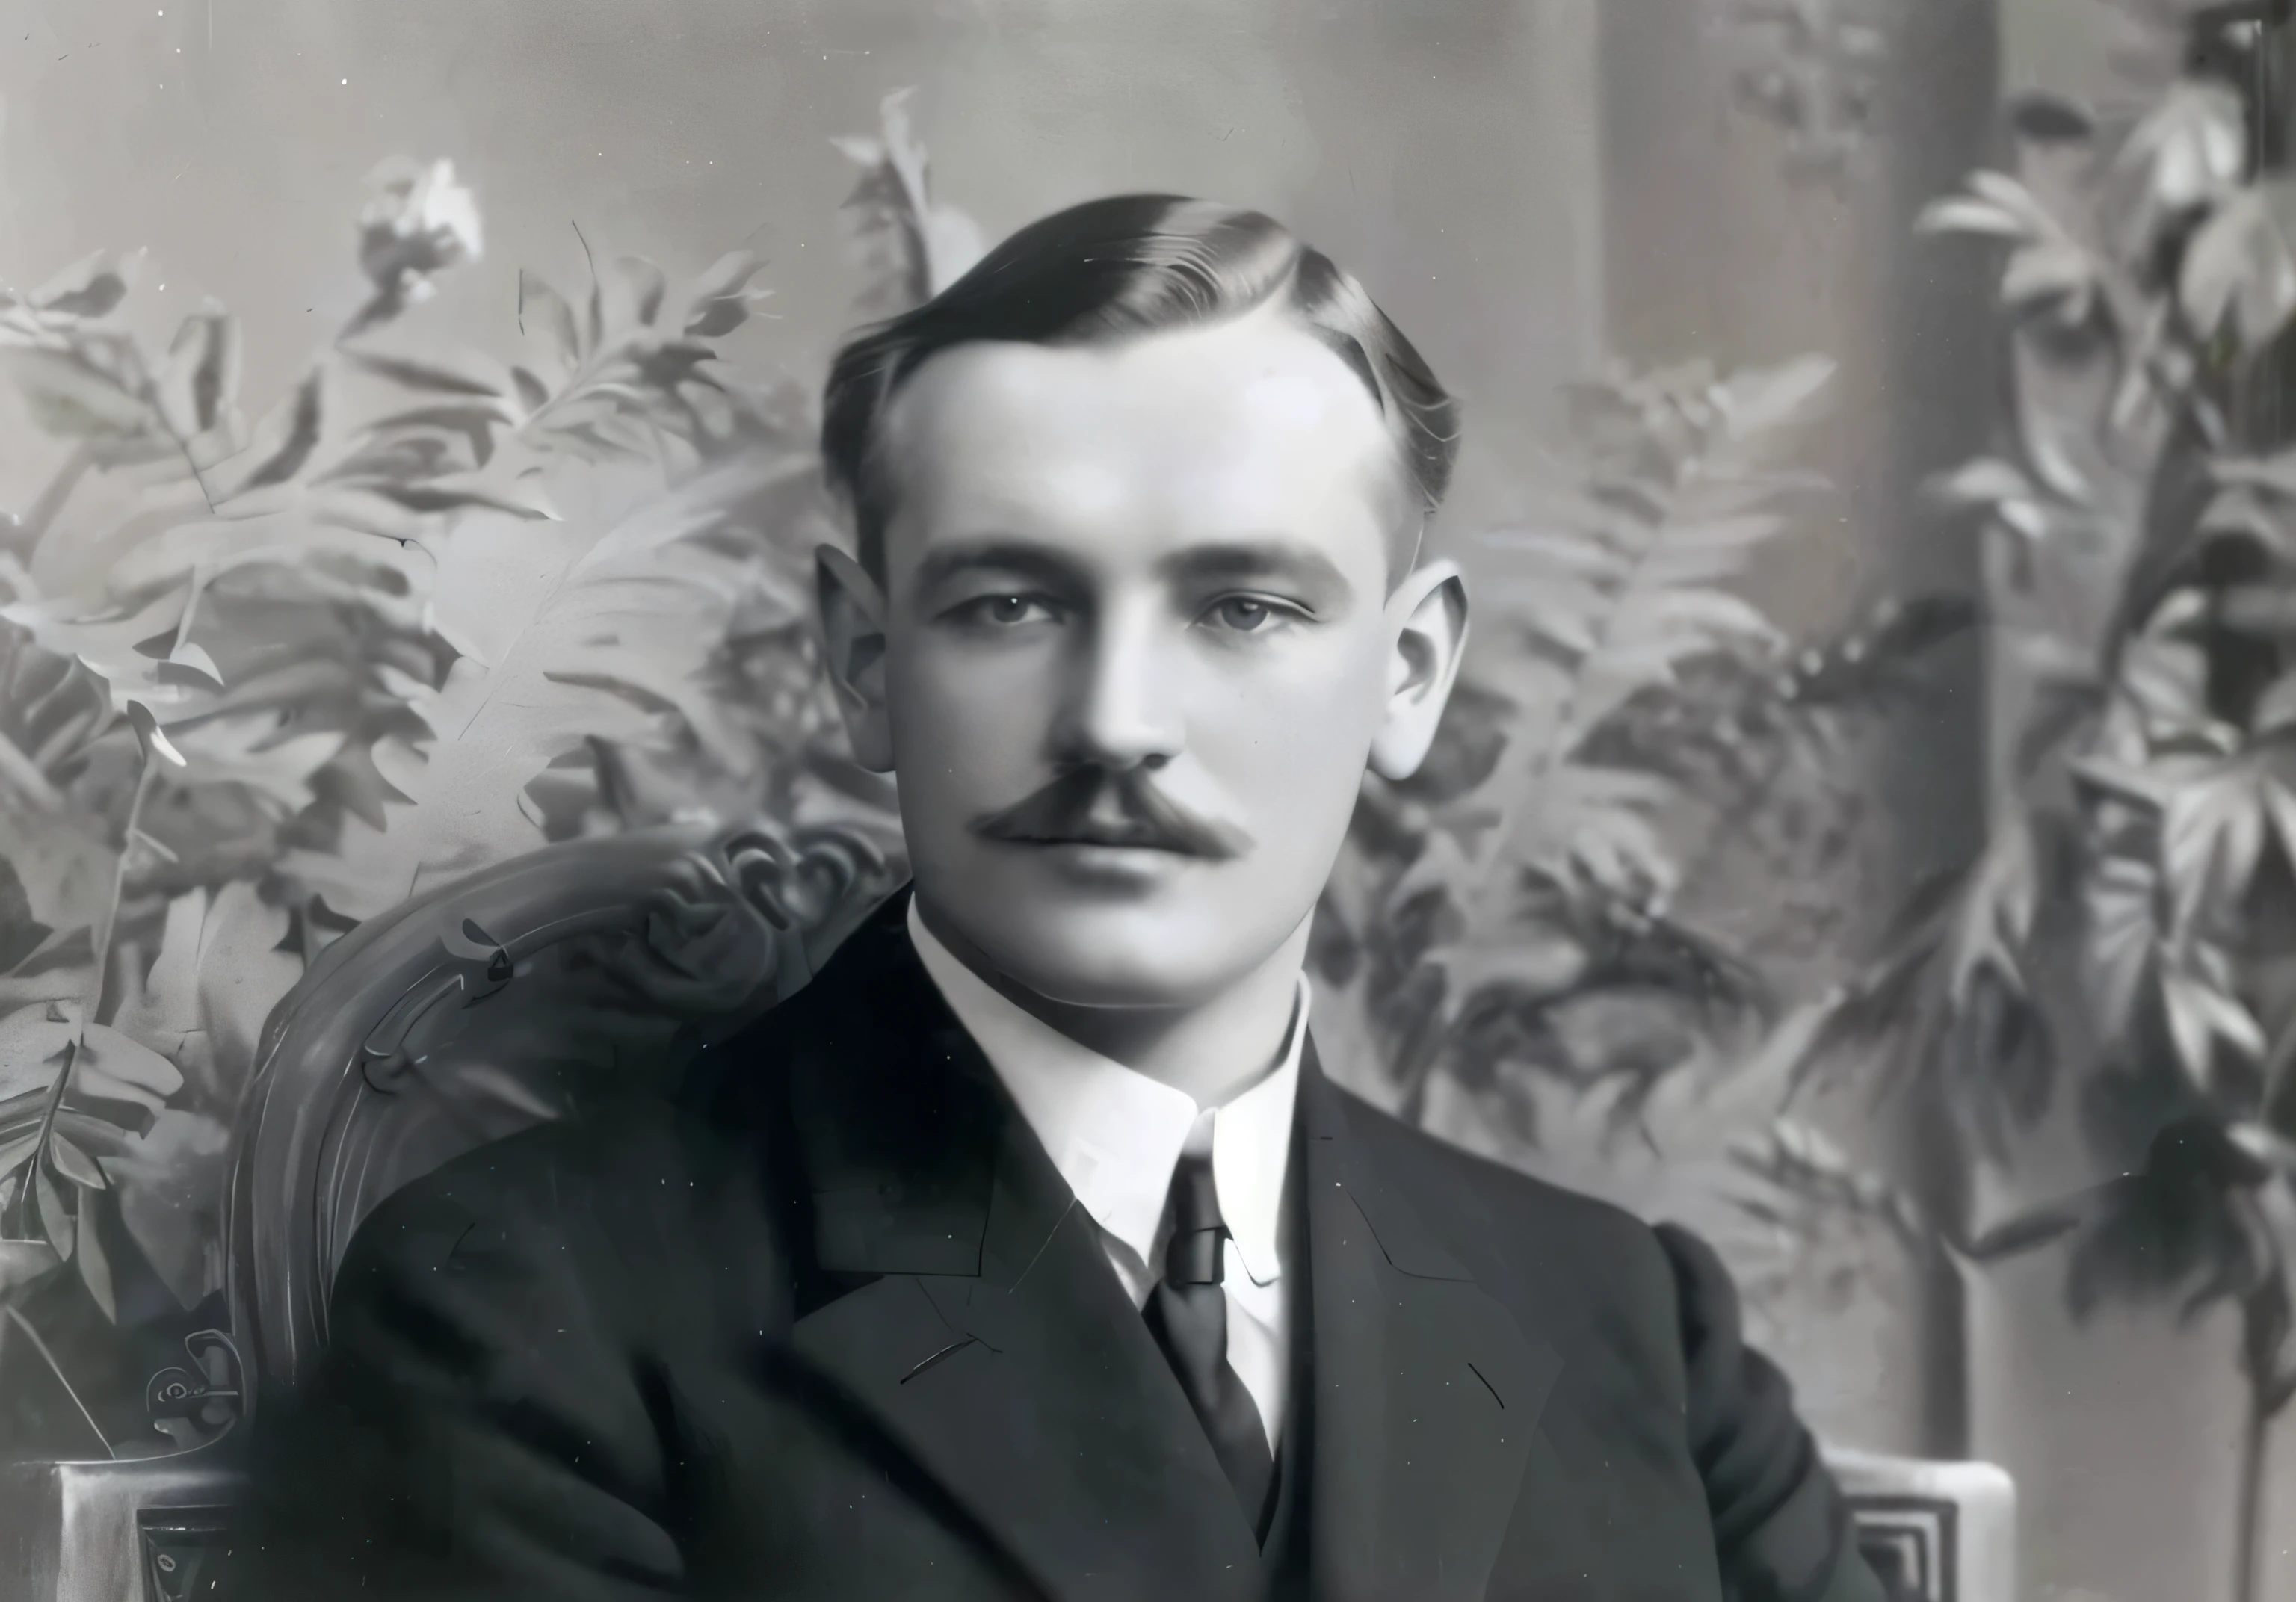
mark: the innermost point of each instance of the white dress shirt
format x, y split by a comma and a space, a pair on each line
1116, 1136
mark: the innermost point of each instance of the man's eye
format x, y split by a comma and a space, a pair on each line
1005, 611
1242, 613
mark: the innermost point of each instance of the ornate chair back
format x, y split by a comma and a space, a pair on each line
507, 998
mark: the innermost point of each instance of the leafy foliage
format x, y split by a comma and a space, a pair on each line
2130, 915
1536, 907
1824, 1213
909, 246
597, 654
2109, 529
261, 679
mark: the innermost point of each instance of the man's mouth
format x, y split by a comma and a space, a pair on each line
1117, 810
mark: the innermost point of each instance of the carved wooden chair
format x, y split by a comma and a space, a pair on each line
507, 999
512, 997
498, 1001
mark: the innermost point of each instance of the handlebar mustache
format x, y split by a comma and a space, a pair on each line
1106, 806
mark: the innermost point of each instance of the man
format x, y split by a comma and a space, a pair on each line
1027, 1253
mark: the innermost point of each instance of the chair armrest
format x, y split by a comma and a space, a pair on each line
1935, 1531
137, 1530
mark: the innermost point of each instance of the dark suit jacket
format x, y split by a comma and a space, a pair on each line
835, 1328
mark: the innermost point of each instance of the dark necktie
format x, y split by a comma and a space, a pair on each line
1187, 1314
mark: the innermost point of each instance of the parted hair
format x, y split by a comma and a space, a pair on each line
1112, 269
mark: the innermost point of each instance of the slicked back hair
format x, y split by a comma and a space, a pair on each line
1112, 269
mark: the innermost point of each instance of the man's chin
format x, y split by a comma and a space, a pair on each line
1073, 944
1074, 976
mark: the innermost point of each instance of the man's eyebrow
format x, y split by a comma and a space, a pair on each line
1293, 559
1001, 555
1290, 560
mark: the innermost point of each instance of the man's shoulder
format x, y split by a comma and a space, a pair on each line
823, 1057
564, 1172
1512, 1229
1429, 1161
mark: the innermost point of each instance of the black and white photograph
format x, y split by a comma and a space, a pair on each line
1108, 800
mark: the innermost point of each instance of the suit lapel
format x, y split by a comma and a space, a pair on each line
997, 1345
1426, 1393
988, 1335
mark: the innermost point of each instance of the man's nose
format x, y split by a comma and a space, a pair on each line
1121, 712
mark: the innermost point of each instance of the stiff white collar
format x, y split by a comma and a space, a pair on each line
1116, 1134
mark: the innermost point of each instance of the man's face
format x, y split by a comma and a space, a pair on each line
1137, 648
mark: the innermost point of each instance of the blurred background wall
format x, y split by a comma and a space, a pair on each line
1529, 187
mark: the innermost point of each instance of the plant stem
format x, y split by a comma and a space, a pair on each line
2248, 1518
56, 1369
1929, 1151
111, 917
2264, 1315
150, 396
93, 1004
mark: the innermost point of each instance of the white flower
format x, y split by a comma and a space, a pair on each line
420, 222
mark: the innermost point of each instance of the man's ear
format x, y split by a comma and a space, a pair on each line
853, 632
1429, 614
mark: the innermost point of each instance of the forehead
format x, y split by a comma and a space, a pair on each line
1244, 429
